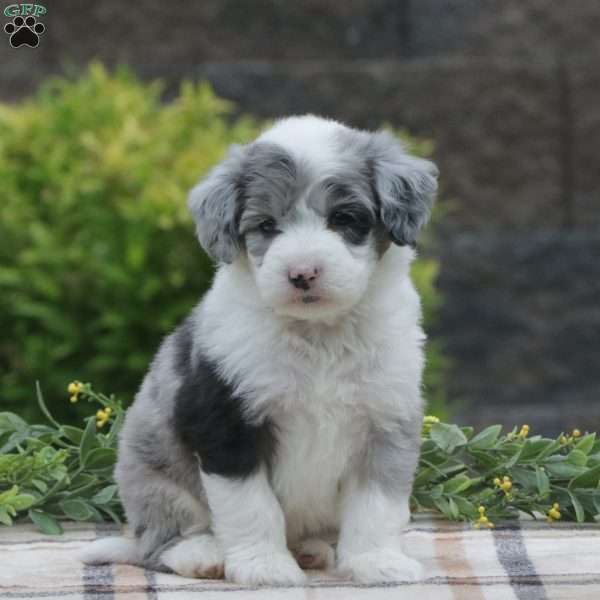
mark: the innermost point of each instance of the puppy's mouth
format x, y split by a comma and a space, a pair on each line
308, 299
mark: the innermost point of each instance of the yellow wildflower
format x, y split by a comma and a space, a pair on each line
576, 433
483, 521
74, 388
554, 513
428, 422
505, 484
564, 440
524, 431
102, 417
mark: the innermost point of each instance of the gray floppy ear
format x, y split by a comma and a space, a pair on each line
215, 204
405, 187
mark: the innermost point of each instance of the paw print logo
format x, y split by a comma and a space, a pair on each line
24, 31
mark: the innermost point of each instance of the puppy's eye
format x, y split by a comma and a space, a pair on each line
352, 225
340, 218
268, 226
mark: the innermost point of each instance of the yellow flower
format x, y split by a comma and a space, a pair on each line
102, 417
74, 387
554, 513
482, 521
505, 484
524, 431
430, 419
576, 433
563, 440
428, 422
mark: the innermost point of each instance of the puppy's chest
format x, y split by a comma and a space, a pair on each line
315, 451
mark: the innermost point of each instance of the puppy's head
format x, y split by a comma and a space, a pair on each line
313, 205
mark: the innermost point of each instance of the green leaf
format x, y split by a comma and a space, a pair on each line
453, 509
46, 524
486, 438
465, 507
43, 406
483, 458
579, 513
100, 458
458, 483
542, 481
77, 509
88, 440
586, 443
73, 434
105, 496
9, 422
39, 485
577, 457
5, 518
588, 479
564, 470
447, 437
8, 494
443, 506
524, 477
22, 501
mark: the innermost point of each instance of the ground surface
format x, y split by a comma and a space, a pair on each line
530, 560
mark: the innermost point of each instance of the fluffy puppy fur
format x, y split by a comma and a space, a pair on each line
288, 403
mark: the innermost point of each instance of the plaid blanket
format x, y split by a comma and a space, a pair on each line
514, 561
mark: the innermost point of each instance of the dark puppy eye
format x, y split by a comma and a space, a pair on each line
352, 224
268, 226
340, 218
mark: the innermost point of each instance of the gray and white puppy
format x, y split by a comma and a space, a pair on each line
288, 404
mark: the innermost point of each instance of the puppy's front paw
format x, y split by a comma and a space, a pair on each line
275, 568
379, 566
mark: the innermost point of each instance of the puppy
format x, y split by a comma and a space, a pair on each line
288, 404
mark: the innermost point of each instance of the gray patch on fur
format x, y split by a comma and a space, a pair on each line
259, 172
155, 472
404, 186
382, 462
272, 188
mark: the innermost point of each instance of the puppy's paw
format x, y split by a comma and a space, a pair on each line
198, 556
379, 566
274, 568
314, 554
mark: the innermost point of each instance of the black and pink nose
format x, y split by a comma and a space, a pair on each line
303, 277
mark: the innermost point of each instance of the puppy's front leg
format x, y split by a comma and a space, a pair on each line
375, 510
249, 524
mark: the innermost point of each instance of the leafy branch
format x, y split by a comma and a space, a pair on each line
49, 473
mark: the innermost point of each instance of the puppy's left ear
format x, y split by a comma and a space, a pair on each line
405, 187
215, 204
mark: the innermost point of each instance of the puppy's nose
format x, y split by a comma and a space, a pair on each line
303, 277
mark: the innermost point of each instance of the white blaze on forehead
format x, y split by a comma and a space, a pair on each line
309, 139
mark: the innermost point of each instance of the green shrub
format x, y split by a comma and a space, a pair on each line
98, 258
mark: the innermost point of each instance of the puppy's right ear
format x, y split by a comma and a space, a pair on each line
216, 203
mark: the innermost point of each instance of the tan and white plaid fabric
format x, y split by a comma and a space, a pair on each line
527, 560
